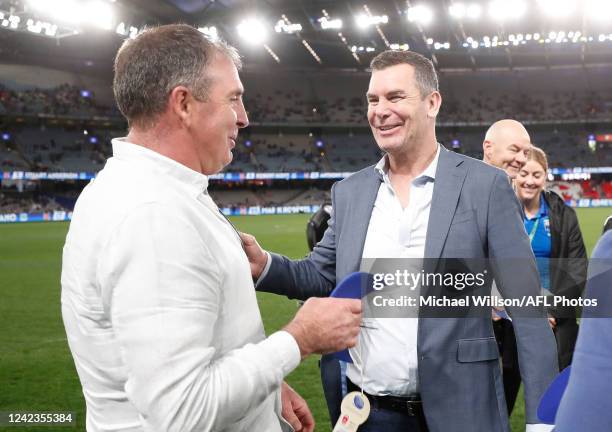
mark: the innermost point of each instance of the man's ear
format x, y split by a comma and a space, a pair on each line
434, 104
487, 150
181, 103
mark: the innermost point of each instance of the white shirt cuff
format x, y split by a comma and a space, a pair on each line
285, 350
264, 273
540, 427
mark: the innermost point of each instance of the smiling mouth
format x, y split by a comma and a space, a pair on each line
387, 128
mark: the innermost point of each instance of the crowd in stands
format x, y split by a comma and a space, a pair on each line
270, 196
65, 99
294, 106
45, 147
575, 190
73, 149
27, 203
481, 107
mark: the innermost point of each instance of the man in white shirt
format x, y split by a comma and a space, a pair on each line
157, 296
422, 201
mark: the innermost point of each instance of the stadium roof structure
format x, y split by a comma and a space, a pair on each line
338, 34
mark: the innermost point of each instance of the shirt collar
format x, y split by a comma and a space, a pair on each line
127, 151
382, 167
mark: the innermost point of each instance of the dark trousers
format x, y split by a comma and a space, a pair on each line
506, 342
381, 420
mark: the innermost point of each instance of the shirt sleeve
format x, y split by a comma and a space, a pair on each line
162, 287
266, 269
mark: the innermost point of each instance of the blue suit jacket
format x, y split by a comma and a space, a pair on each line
586, 405
474, 214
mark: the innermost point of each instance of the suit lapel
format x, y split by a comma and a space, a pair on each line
450, 175
358, 218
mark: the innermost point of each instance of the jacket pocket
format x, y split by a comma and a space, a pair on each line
475, 350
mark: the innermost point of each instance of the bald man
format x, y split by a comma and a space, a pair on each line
506, 146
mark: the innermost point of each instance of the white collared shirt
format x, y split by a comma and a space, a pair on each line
388, 351
159, 306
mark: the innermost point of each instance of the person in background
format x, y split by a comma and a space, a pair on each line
557, 243
506, 146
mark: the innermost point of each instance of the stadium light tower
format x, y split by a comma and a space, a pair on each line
69, 11
421, 14
253, 31
461, 10
100, 14
507, 9
558, 8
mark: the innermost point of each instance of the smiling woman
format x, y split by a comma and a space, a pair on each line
556, 241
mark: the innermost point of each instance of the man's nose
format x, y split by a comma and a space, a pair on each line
242, 119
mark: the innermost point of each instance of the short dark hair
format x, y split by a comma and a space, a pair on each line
150, 66
424, 70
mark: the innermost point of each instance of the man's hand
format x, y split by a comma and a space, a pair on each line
258, 258
325, 325
295, 410
552, 322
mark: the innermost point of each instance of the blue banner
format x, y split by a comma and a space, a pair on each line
246, 176
55, 216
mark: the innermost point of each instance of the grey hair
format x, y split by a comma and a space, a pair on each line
424, 70
159, 59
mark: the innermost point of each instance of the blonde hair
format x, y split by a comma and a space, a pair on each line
537, 154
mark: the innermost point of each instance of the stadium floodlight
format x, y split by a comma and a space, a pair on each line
253, 31
133, 32
462, 11
69, 11
474, 11
327, 23
401, 47
558, 8
210, 31
283, 27
421, 14
98, 14
507, 9
599, 9
38, 27
363, 21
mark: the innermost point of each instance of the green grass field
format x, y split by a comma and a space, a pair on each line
36, 370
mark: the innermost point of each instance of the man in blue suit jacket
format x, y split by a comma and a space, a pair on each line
424, 201
586, 405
